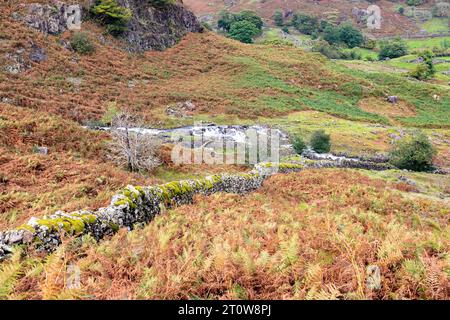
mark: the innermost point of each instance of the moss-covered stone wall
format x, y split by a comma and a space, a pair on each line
130, 206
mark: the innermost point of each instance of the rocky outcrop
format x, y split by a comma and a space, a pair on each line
50, 19
150, 28
158, 28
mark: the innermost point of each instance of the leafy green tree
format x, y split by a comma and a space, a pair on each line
225, 20
278, 18
243, 31
320, 141
323, 24
413, 153
392, 49
331, 34
250, 16
111, 14
305, 24
351, 36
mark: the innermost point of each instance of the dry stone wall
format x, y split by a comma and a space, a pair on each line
130, 206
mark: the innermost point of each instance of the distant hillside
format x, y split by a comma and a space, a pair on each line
393, 23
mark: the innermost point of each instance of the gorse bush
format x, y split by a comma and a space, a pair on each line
320, 141
111, 14
413, 153
299, 145
81, 43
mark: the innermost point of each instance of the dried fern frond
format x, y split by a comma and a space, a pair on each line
10, 273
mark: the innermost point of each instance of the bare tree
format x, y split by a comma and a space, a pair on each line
131, 148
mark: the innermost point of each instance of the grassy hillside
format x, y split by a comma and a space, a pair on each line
219, 75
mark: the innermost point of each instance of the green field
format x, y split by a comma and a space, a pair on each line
436, 25
426, 43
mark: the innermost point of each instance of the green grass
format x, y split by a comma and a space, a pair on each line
293, 98
436, 25
272, 34
430, 113
365, 53
425, 43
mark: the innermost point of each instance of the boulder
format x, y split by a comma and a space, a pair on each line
37, 54
392, 99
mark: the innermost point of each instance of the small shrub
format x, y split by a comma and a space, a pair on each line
278, 18
111, 14
81, 43
426, 69
161, 3
329, 51
111, 112
320, 141
299, 145
413, 153
393, 49
136, 151
207, 26
369, 44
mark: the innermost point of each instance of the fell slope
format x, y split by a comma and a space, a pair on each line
219, 75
